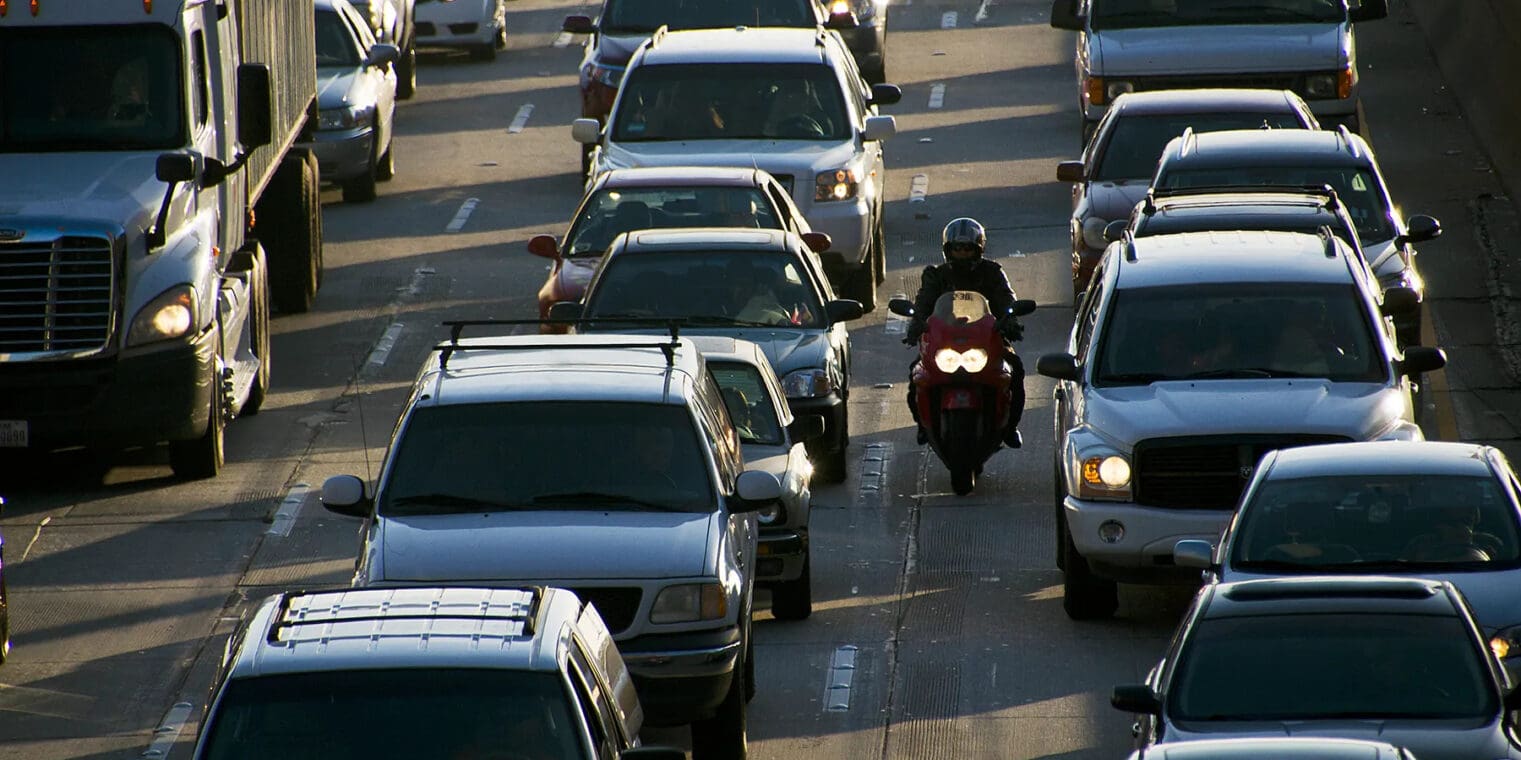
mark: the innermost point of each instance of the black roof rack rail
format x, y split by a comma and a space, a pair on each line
1306, 189
1327, 241
1129, 247
456, 327
658, 36
282, 621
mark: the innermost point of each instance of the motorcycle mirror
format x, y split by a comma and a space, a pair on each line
902, 307
1023, 306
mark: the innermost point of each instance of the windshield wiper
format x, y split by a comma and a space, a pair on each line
446, 503
599, 499
1135, 378
1233, 372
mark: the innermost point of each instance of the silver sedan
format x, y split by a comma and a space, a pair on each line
356, 102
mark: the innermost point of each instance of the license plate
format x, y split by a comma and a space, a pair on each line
13, 434
960, 400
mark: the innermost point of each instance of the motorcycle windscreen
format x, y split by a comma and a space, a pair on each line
961, 307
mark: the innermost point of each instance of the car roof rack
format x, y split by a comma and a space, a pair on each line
658, 36
456, 327
1324, 190
1327, 241
1343, 134
284, 622
1190, 142
1323, 588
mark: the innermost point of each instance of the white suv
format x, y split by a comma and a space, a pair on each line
790, 101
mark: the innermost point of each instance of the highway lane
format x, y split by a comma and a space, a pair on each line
124, 583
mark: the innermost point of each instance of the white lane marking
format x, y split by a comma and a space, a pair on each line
948, 21
168, 731
382, 350
937, 96
982, 12
521, 120
918, 188
842, 670
36, 535
290, 508
463, 215
874, 466
563, 39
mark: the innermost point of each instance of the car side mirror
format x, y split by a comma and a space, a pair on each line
578, 25
879, 128
1136, 698
1193, 552
1057, 366
902, 307
586, 131
1368, 10
818, 242
843, 310
885, 94
1070, 171
545, 246
1419, 359
755, 489
841, 17
1115, 230
1064, 15
1419, 229
805, 427
565, 311
1400, 300
381, 54
344, 495
1024, 307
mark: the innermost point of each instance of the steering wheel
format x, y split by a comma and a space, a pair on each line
800, 125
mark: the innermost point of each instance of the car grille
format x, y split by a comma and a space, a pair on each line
617, 606
464, 28
1205, 472
55, 295
1270, 81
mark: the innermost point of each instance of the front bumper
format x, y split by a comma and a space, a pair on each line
682, 677
1144, 553
144, 396
436, 34
848, 224
343, 154
780, 554
832, 408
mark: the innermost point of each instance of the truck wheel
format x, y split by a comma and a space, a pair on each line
406, 75
1086, 596
963, 480
259, 335
290, 229
793, 600
202, 457
722, 737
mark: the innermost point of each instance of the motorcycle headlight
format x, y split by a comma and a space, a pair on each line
1506, 643
170, 316
807, 383
1104, 475
689, 603
352, 117
836, 185
972, 360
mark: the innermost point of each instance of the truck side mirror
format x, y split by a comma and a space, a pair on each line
818, 242
566, 311
1193, 552
381, 54
843, 310
256, 100
578, 25
586, 131
805, 427
885, 94
344, 494
1400, 300
174, 167
879, 128
545, 246
1064, 15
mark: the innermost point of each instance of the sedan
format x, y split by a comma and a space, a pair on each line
479, 26
1446, 511
356, 102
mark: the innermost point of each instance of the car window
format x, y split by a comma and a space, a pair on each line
714, 413
1359, 189
1088, 317
594, 705
336, 43
1393, 522
739, 101
514, 456
468, 714
1132, 14
1236, 330
644, 16
1136, 141
1311, 666
750, 406
613, 211
740, 287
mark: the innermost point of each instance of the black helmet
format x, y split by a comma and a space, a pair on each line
963, 231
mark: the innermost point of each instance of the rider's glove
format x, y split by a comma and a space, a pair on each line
1011, 328
912, 334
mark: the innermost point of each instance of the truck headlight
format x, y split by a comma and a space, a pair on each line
689, 603
1102, 91
1329, 85
836, 185
170, 316
351, 117
972, 360
807, 383
1104, 475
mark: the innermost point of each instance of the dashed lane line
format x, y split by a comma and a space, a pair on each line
937, 96
463, 215
521, 120
948, 20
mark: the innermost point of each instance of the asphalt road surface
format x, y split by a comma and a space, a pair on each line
124, 583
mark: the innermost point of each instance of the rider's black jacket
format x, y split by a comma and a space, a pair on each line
986, 277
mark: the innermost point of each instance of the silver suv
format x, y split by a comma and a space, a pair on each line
604, 464
790, 101
1192, 355
531, 669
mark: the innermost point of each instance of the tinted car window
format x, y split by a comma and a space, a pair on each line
1130, 14
612, 212
744, 393
1137, 140
335, 41
644, 16
766, 289
1237, 331
483, 457
1393, 521
1359, 189
731, 102
1318, 666
316, 715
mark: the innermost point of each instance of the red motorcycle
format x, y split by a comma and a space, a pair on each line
961, 381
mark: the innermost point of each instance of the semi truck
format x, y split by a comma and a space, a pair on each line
153, 211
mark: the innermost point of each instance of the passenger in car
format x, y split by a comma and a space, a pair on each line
1454, 537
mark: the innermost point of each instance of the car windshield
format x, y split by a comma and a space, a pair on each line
749, 404
1132, 14
739, 288
513, 456
91, 89
467, 713
1236, 330
738, 101
612, 212
336, 45
1364, 523
1135, 141
1330, 665
644, 16
1359, 189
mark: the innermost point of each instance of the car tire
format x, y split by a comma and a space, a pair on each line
879, 241
361, 189
723, 736
1059, 490
484, 52
202, 457
829, 465
406, 75
861, 285
749, 666
793, 600
1086, 596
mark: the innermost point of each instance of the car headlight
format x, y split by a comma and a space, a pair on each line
689, 603
771, 514
1093, 233
610, 76
1104, 475
972, 360
351, 117
836, 185
1506, 643
1329, 85
171, 315
807, 383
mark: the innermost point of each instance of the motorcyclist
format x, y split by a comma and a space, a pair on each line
962, 243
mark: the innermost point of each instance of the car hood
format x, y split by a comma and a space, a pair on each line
1222, 49
1426, 739
334, 85
616, 49
1115, 200
1494, 595
800, 158
548, 545
1361, 411
108, 188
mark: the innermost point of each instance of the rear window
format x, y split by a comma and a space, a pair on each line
1136, 141
750, 405
1359, 189
612, 212
739, 288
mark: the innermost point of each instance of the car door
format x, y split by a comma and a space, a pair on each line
376, 82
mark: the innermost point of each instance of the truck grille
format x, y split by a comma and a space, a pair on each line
617, 606
55, 295
1270, 81
1205, 472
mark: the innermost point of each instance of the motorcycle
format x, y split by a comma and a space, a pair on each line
961, 381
